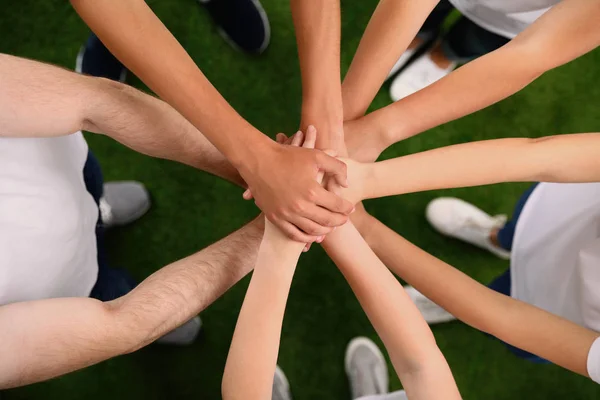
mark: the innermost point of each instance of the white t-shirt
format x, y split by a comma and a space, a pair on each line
47, 219
506, 18
555, 262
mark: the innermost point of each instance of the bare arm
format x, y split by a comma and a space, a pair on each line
302, 209
567, 31
43, 339
255, 345
318, 30
564, 158
418, 361
392, 27
41, 100
517, 323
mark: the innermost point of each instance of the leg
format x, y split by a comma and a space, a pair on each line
96, 60
505, 235
465, 41
242, 23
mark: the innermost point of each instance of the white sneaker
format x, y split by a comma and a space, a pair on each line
421, 73
402, 61
431, 312
366, 368
461, 220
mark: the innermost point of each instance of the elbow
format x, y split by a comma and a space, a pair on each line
131, 332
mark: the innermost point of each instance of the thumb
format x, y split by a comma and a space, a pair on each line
334, 167
247, 195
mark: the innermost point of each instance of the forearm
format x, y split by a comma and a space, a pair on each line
253, 353
565, 158
137, 37
502, 73
392, 27
317, 25
152, 127
512, 321
409, 341
47, 338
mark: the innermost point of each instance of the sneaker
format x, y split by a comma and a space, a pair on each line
431, 312
96, 60
461, 220
185, 335
242, 23
405, 58
366, 368
123, 203
421, 73
281, 386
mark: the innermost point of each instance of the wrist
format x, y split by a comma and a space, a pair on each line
248, 155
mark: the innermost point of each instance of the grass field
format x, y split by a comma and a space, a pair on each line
193, 209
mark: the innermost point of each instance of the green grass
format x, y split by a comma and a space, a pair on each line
192, 210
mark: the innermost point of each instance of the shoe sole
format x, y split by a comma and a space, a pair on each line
357, 342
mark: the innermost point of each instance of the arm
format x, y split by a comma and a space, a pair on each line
42, 100
317, 25
565, 158
567, 31
132, 32
389, 32
253, 353
519, 324
418, 361
43, 339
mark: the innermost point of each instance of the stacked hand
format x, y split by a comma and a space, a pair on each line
304, 210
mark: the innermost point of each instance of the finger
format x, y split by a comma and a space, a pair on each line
325, 217
280, 138
310, 137
247, 195
310, 227
306, 247
293, 232
333, 202
297, 139
334, 167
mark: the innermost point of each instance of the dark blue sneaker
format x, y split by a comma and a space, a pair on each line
242, 23
96, 60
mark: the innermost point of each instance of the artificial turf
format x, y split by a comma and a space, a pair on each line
193, 209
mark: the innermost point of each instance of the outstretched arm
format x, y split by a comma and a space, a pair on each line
43, 339
565, 32
564, 158
517, 323
136, 36
42, 100
317, 25
253, 353
392, 27
418, 361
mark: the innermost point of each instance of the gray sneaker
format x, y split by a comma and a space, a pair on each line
185, 335
366, 368
281, 386
123, 203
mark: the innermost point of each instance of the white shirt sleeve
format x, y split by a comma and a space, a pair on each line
593, 361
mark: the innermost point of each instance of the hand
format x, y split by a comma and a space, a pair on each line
283, 182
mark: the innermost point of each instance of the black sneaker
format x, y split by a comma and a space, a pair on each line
242, 23
96, 60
